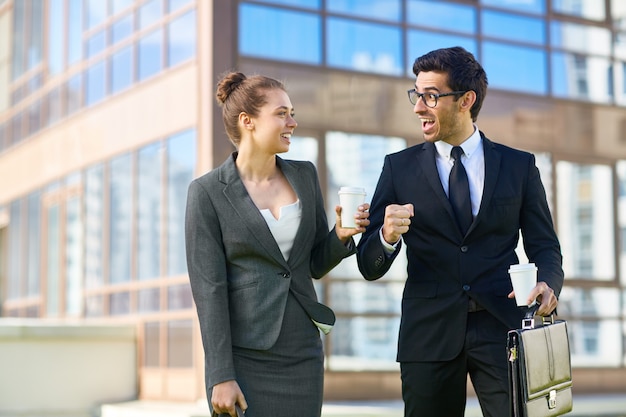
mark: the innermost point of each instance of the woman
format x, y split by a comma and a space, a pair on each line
256, 233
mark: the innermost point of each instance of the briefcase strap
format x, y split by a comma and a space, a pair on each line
528, 322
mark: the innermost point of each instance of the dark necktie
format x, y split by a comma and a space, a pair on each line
458, 191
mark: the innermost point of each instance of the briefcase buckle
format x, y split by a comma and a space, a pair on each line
528, 323
552, 400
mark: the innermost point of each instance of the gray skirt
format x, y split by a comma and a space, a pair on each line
288, 379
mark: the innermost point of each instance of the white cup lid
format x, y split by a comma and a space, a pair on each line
522, 267
352, 190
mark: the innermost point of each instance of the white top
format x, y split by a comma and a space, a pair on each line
284, 228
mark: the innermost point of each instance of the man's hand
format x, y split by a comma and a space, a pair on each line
397, 221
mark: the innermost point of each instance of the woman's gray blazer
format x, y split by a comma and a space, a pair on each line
239, 278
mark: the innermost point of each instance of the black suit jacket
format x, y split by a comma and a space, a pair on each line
445, 268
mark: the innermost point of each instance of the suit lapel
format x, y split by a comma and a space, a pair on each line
249, 215
492, 170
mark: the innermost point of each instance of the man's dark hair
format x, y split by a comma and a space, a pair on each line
464, 72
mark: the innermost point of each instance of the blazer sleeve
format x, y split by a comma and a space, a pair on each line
206, 263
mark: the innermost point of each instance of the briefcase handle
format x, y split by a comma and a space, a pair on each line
529, 319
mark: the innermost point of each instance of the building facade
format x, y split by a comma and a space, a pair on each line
107, 112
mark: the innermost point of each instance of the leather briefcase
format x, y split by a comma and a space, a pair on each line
540, 372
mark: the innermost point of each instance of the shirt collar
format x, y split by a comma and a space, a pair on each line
469, 146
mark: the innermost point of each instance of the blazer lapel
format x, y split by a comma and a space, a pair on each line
492, 170
249, 215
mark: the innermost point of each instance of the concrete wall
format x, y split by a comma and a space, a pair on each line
64, 368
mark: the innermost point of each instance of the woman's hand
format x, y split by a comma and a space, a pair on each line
225, 395
361, 219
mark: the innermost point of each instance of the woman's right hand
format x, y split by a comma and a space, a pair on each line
225, 395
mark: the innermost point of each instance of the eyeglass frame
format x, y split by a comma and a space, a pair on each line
435, 95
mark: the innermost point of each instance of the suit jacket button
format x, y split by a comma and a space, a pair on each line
464, 249
466, 287
286, 275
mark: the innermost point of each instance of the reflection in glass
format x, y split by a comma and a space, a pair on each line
579, 38
96, 83
421, 42
73, 257
181, 38
268, 32
150, 54
96, 43
149, 207
150, 12
93, 193
530, 6
96, 12
513, 27
515, 68
120, 218
582, 77
119, 5
375, 9
357, 160
122, 69
122, 28
587, 9
437, 14
585, 220
181, 165
364, 343
74, 31
364, 47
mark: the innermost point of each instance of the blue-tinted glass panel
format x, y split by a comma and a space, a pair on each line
15, 252
56, 24
580, 38
530, 6
149, 208
33, 267
375, 9
149, 13
19, 37
582, 77
53, 260
513, 27
122, 69
35, 47
122, 28
120, 221
516, 68
441, 15
174, 5
587, 9
96, 43
181, 165
311, 4
119, 5
75, 31
421, 42
73, 257
269, 33
94, 222
150, 54
364, 46
182, 38
74, 93
96, 83
96, 12
620, 98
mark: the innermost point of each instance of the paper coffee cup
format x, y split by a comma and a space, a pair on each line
350, 198
524, 279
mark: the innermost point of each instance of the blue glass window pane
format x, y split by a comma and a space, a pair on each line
364, 46
269, 33
94, 225
119, 5
513, 27
150, 51
74, 93
120, 221
181, 165
75, 31
311, 4
581, 77
530, 6
96, 83
149, 208
376, 9
122, 28
421, 42
122, 69
56, 24
580, 38
587, 9
150, 13
96, 12
174, 5
35, 37
182, 38
516, 68
437, 14
96, 43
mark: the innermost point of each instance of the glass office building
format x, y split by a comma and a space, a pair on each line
107, 112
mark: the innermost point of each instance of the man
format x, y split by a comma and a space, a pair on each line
458, 303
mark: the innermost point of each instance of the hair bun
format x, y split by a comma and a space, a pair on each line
228, 84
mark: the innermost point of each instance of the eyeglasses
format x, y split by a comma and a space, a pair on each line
430, 99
